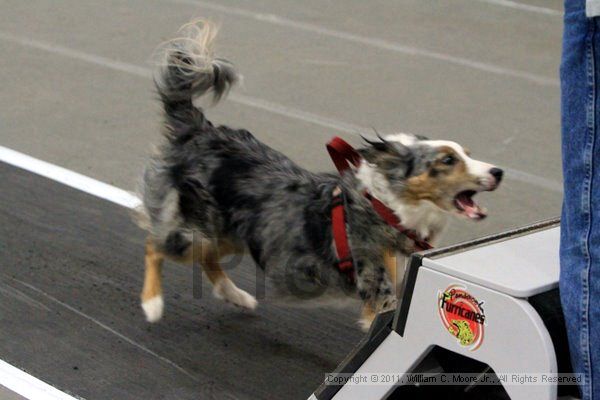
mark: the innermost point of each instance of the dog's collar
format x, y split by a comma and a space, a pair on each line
343, 155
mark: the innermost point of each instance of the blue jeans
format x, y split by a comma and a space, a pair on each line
580, 224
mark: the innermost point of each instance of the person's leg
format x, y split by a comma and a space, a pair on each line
580, 224
593, 154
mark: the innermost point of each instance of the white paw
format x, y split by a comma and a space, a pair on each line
364, 324
153, 308
226, 290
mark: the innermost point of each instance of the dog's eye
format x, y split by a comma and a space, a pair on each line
448, 160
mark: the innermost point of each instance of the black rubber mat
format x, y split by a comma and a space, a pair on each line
70, 273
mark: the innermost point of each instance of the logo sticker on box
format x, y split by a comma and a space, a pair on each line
462, 315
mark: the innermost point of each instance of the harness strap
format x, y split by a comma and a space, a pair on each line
340, 235
392, 219
344, 157
342, 154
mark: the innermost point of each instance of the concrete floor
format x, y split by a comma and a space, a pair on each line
80, 96
77, 90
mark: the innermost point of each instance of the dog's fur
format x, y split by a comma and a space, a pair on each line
236, 194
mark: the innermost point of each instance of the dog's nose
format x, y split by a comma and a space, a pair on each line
497, 173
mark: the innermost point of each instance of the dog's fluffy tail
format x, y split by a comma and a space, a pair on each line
188, 70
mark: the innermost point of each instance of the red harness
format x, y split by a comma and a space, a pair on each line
343, 155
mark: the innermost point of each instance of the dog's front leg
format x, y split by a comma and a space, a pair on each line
371, 309
376, 289
368, 314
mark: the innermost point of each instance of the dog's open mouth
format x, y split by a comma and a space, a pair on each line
466, 206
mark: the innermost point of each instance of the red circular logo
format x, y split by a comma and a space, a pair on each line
462, 316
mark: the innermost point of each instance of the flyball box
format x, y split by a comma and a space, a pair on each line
485, 308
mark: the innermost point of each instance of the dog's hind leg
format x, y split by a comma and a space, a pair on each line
224, 288
208, 253
152, 298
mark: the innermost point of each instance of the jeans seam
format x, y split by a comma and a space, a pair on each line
586, 209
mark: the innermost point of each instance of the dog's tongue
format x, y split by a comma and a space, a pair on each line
469, 207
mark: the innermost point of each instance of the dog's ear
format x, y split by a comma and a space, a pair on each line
388, 155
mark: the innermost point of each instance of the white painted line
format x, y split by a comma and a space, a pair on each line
373, 42
78, 55
290, 112
261, 104
15, 293
524, 7
535, 180
27, 385
132, 69
69, 178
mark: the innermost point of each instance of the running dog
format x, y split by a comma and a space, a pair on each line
212, 190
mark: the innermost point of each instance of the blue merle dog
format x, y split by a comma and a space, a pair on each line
212, 190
